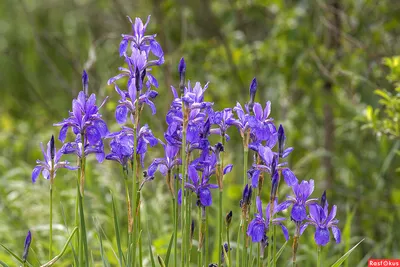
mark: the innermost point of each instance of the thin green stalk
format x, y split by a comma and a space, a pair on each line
200, 246
206, 239
258, 255
51, 219
221, 188
220, 228
244, 252
183, 206
270, 245
274, 247
294, 246
229, 244
175, 207
135, 181
237, 244
187, 227
319, 256
245, 162
83, 249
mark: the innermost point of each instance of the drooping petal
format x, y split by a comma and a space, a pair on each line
122, 47
101, 127
228, 168
321, 236
120, 114
289, 177
303, 228
256, 230
205, 196
93, 135
63, 133
298, 213
35, 173
336, 234
46, 173
285, 231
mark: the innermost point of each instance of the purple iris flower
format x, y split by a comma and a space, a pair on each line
51, 162
259, 225
199, 186
140, 41
167, 163
121, 149
85, 120
300, 201
193, 97
322, 221
223, 119
128, 101
138, 62
145, 137
76, 148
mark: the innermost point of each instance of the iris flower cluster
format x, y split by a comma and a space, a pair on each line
189, 109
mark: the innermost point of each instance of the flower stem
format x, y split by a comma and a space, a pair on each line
229, 244
175, 207
220, 173
135, 181
244, 219
183, 206
319, 256
83, 249
206, 237
294, 247
201, 236
274, 247
258, 255
51, 220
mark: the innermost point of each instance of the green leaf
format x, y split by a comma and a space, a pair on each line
153, 264
56, 258
116, 228
279, 253
3, 264
346, 255
13, 254
169, 249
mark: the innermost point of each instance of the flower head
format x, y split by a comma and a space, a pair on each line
51, 162
167, 163
300, 201
259, 225
85, 118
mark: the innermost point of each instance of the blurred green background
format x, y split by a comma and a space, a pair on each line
317, 61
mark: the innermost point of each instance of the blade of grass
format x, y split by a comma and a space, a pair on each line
15, 255
153, 263
116, 228
103, 256
4, 264
346, 255
56, 258
169, 249
66, 227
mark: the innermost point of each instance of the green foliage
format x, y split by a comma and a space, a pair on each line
386, 119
